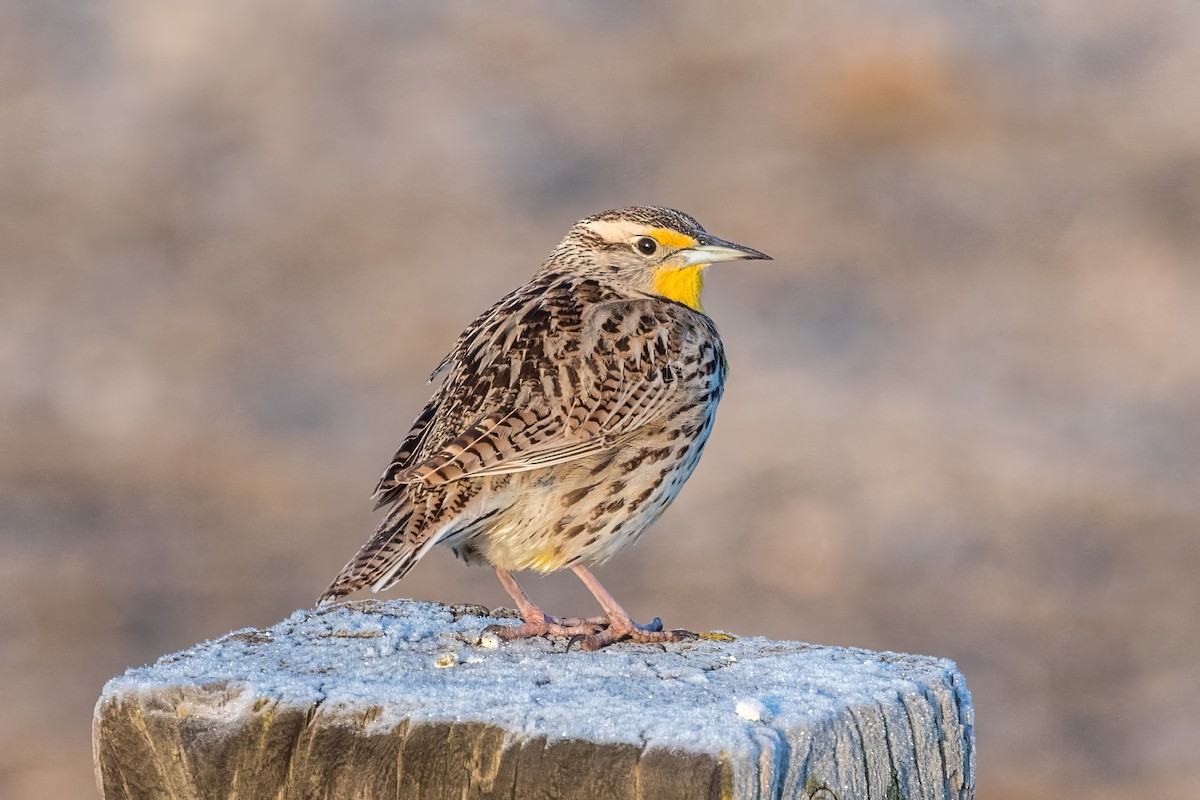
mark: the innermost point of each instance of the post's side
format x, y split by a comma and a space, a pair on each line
146, 748
404, 700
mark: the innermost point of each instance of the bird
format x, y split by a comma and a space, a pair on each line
567, 419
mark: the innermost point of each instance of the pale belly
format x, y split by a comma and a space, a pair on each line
586, 511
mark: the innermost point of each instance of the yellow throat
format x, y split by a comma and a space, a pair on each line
683, 285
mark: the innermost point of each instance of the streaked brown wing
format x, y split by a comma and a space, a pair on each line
551, 390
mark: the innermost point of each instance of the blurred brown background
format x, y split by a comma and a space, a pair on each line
962, 417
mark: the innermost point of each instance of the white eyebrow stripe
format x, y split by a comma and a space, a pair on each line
615, 230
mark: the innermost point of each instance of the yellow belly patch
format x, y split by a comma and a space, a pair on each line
547, 559
682, 285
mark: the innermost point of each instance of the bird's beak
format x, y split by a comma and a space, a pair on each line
709, 250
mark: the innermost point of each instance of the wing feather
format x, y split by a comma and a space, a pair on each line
531, 412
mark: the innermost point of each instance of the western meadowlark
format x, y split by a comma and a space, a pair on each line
570, 415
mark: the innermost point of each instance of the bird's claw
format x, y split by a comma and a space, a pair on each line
573, 627
641, 634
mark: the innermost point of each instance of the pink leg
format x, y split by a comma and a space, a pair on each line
538, 622
620, 625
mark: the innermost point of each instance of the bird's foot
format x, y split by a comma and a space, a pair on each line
547, 625
621, 629
592, 624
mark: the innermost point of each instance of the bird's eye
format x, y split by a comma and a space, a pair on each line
646, 246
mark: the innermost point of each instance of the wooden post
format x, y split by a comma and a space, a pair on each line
403, 699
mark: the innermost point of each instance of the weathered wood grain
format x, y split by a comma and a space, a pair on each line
400, 700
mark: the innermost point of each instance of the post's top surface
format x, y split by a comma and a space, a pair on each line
394, 660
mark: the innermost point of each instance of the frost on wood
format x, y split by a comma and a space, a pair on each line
403, 699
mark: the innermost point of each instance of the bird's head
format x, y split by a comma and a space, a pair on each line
648, 248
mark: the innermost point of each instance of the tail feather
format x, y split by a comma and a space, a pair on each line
389, 554
421, 517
